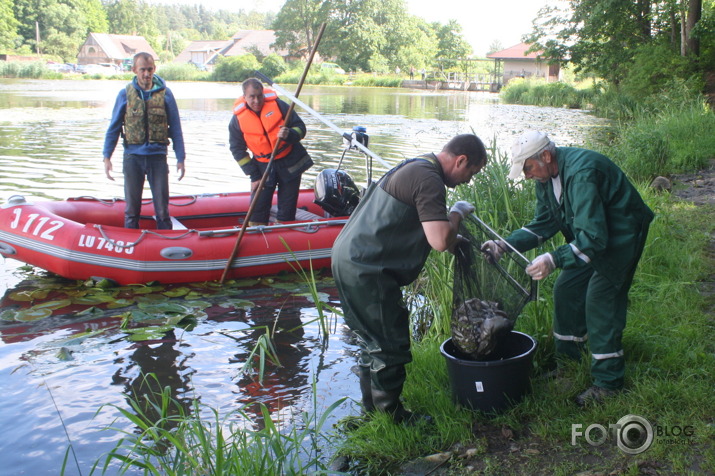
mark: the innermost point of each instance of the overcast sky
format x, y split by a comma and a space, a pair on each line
483, 21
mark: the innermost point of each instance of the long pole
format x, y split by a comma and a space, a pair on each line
261, 184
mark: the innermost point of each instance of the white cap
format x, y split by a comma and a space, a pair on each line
526, 145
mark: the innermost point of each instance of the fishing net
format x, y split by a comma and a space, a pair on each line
487, 297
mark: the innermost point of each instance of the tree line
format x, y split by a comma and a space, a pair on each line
59, 27
634, 44
367, 35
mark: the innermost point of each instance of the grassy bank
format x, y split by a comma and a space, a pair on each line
665, 133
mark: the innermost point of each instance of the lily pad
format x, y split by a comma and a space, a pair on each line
147, 333
177, 292
121, 302
322, 297
8, 315
58, 304
151, 298
197, 295
244, 283
237, 304
145, 289
26, 315
197, 304
286, 286
89, 311
163, 308
29, 296
93, 299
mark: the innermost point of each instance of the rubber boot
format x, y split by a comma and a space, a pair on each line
366, 389
388, 401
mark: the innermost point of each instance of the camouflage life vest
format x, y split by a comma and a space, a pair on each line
145, 116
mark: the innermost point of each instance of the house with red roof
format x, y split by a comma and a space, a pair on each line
517, 62
115, 49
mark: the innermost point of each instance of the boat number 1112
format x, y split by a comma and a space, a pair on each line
42, 228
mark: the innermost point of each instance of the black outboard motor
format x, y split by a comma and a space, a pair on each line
336, 192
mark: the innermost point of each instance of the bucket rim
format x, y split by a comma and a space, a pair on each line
490, 363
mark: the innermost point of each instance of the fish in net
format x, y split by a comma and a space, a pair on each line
487, 297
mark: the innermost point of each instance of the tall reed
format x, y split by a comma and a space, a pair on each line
539, 92
169, 440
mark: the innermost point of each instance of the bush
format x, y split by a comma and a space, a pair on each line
539, 92
314, 76
653, 67
235, 68
273, 65
24, 69
182, 72
378, 81
671, 133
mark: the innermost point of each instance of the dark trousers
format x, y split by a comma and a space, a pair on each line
156, 170
287, 181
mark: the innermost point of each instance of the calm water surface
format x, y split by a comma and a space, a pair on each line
54, 378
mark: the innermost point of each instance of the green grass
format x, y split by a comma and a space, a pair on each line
676, 140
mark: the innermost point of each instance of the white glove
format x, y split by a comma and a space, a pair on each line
494, 250
463, 208
541, 267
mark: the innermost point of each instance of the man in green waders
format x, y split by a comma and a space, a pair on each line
588, 199
384, 246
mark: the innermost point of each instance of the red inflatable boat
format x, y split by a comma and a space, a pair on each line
84, 237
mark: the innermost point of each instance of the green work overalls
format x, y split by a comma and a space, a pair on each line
605, 223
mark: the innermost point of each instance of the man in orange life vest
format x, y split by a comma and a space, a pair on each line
258, 121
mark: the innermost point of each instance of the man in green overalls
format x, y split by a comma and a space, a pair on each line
384, 246
586, 197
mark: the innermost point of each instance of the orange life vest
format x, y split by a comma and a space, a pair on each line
260, 131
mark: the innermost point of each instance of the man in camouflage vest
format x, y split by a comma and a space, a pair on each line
146, 116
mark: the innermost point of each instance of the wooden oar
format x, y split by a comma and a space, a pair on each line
262, 183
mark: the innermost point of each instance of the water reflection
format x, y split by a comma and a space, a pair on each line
155, 370
280, 384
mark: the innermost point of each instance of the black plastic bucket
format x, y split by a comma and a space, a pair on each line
495, 384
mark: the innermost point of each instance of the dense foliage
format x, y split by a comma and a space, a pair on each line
368, 35
640, 43
361, 35
63, 25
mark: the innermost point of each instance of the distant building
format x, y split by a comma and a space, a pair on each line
6, 57
514, 62
202, 53
205, 52
115, 49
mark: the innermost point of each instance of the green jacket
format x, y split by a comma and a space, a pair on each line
601, 215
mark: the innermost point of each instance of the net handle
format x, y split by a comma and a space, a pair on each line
479, 222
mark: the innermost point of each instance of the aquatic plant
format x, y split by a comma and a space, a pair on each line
173, 441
